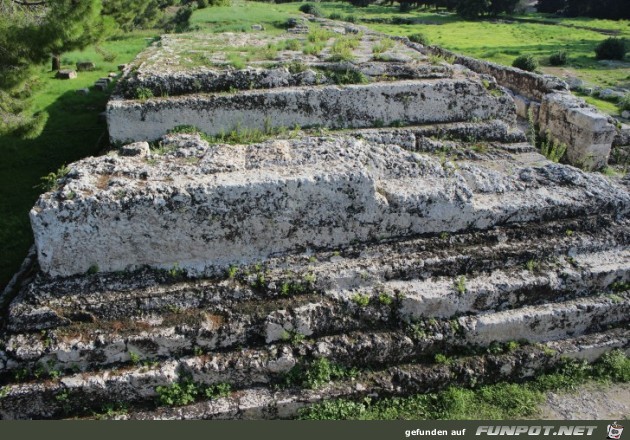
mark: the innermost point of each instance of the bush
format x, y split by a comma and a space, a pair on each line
404, 7
558, 58
420, 39
202, 4
335, 16
310, 8
611, 49
526, 62
551, 6
624, 103
361, 3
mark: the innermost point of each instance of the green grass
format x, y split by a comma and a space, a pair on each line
498, 401
72, 132
240, 16
503, 42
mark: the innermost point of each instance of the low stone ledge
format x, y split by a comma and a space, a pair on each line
352, 106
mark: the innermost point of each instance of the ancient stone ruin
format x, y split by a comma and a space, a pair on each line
371, 204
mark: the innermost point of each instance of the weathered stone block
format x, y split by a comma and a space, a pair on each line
356, 106
85, 66
66, 74
587, 133
206, 207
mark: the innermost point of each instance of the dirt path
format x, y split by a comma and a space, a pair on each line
591, 402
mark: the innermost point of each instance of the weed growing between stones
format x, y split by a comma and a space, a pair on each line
50, 181
551, 148
316, 373
502, 400
185, 391
460, 285
360, 299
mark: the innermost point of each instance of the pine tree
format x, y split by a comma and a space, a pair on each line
31, 31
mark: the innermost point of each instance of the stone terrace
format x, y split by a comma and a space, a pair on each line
412, 219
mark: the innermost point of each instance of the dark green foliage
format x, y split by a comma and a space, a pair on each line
611, 49
347, 77
316, 373
558, 58
186, 391
310, 8
362, 3
502, 6
419, 38
526, 62
551, 6
472, 9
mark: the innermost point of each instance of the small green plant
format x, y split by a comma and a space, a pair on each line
62, 396
620, 286
348, 76
419, 38
231, 272
93, 269
316, 373
176, 272
441, 359
360, 299
385, 299
383, 46
568, 233
292, 44
552, 149
611, 49
293, 336
296, 67
50, 181
532, 265
444, 235
460, 285
237, 61
218, 390
143, 93
526, 62
180, 393
134, 357
558, 58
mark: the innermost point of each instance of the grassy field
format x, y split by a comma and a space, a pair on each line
72, 132
501, 41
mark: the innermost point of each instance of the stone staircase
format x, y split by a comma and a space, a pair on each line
369, 261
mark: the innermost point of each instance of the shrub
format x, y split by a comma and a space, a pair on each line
309, 8
558, 58
361, 3
419, 38
624, 103
472, 9
404, 7
335, 16
526, 62
611, 49
202, 4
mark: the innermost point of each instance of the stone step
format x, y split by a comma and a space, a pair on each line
301, 194
312, 74
83, 393
113, 297
350, 106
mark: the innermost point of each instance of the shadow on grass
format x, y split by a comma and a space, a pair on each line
72, 132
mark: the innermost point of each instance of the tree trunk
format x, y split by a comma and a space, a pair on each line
56, 62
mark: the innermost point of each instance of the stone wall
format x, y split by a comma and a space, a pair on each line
588, 133
357, 106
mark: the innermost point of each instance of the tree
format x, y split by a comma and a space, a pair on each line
502, 6
30, 32
551, 6
472, 9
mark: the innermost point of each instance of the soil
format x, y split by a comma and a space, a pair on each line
594, 401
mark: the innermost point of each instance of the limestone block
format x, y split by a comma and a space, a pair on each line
356, 106
85, 66
242, 204
66, 74
587, 132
